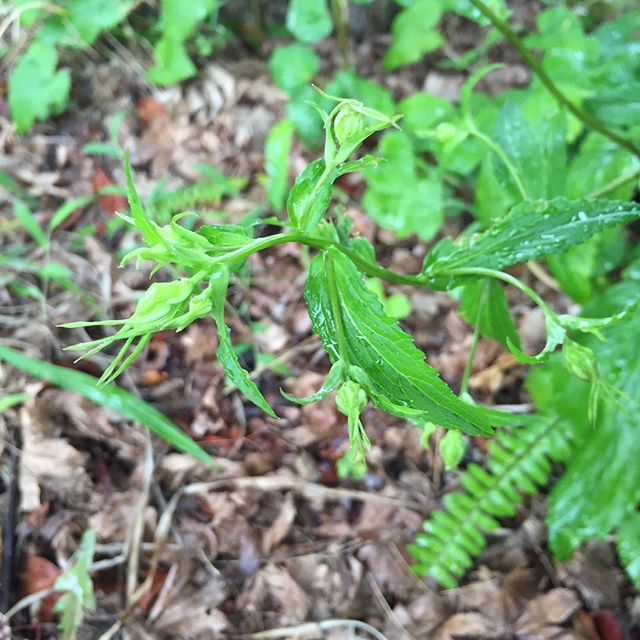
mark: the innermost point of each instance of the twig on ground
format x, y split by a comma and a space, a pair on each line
315, 627
384, 605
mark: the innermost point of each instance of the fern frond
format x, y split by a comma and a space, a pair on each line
519, 462
166, 203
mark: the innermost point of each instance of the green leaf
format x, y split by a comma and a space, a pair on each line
452, 448
227, 357
89, 18
148, 230
397, 197
413, 33
76, 587
29, 222
63, 212
293, 65
394, 371
335, 377
178, 21
348, 84
484, 300
310, 196
36, 89
11, 400
118, 400
628, 544
531, 230
276, 161
538, 154
422, 111
309, 20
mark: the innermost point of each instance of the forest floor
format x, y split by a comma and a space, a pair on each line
277, 539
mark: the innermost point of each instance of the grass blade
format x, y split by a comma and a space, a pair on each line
111, 397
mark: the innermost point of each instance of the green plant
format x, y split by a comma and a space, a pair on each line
38, 87
77, 588
373, 359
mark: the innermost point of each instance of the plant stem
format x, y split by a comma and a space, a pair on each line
475, 340
538, 69
369, 268
505, 277
340, 10
499, 151
614, 184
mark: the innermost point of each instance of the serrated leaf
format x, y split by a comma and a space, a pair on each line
485, 300
309, 20
227, 357
293, 65
333, 380
531, 230
628, 545
396, 372
276, 162
114, 398
36, 89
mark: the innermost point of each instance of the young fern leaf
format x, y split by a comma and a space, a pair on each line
519, 463
166, 203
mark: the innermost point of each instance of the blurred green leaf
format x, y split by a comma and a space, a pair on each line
76, 587
276, 160
414, 34
178, 21
29, 222
309, 20
36, 89
293, 65
452, 448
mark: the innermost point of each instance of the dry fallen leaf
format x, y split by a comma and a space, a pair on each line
280, 527
468, 626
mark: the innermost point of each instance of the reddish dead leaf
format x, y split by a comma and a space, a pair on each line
148, 109
111, 203
588, 625
37, 574
607, 625
159, 578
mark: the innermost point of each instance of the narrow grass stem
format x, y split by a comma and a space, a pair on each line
499, 151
